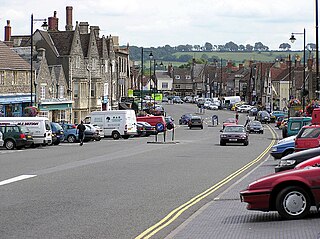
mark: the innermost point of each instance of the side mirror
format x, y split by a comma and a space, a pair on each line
221, 130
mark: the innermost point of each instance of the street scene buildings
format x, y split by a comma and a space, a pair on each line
77, 70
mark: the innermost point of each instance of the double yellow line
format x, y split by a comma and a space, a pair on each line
173, 215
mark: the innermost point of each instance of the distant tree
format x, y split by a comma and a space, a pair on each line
208, 46
197, 47
249, 47
231, 46
182, 48
311, 46
285, 46
221, 48
242, 48
258, 46
189, 47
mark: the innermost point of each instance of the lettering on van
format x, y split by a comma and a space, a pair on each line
28, 123
114, 119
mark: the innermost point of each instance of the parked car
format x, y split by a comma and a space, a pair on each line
57, 133
243, 108
294, 124
213, 106
141, 130
234, 134
275, 114
229, 121
147, 129
1, 139
177, 100
165, 99
290, 193
312, 162
157, 121
195, 121
283, 147
253, 111
278, 121
291, 160
184, 119
16, 136
308, 137
263, 116
93, 132
255, 127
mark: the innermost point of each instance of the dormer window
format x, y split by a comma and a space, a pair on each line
177, 77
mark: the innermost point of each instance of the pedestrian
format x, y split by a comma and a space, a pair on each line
81, 128
237, 116
247, 120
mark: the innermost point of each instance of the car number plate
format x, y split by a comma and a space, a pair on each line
232, 139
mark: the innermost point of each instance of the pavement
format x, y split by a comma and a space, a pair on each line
227, 217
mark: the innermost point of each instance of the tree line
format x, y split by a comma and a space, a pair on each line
167, 52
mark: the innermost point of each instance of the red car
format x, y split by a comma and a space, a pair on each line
313, 162
307, 138
291, 193
229, 121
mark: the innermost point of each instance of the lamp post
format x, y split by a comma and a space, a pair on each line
220, 90
155, 86
142, 72
45, 27
317, 49
292, 39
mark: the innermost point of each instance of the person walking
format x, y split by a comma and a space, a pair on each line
81, 128
237, 116
247, 120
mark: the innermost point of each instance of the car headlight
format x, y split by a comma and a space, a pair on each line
286, 162
274, 149
243, 136
223, 136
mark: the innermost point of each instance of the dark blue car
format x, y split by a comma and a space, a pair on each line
283, 148
184, 119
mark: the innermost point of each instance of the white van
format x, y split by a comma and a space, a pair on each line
115, 123
39, 126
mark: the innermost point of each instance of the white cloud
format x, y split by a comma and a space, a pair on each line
174, 22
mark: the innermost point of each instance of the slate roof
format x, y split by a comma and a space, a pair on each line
62, 41
11, 60
85, 39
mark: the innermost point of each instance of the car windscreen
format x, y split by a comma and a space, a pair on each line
24, 129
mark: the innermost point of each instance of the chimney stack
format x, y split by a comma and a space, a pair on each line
69, 26
53, 22
7, 31
83, 27
96, 30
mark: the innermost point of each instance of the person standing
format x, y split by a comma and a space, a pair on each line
81, 128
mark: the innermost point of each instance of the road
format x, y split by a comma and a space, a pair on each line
117, 189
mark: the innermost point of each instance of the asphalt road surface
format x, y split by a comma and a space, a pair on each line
117, 189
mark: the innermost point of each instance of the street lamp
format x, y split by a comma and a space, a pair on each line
45, 27
155, 84
141, 80
292, 39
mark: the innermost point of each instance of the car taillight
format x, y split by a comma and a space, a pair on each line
22, 136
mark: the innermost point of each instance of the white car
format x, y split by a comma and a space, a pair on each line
244, 108
206, 104
1, 139
213, 106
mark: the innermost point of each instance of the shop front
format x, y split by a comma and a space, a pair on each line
56, 110
13, 105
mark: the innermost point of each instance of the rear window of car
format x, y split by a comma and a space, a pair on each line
309, 133
295, 126
234, 129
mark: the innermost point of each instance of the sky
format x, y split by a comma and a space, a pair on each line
149, 23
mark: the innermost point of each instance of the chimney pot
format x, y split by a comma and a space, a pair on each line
7, 31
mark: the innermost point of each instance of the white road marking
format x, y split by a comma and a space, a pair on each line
15, 179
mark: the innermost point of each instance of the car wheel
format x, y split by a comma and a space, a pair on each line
287, 152
116, 135
98, 139
9, 144
246, 143
222, 143
201, 127
293, 203
71, 139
